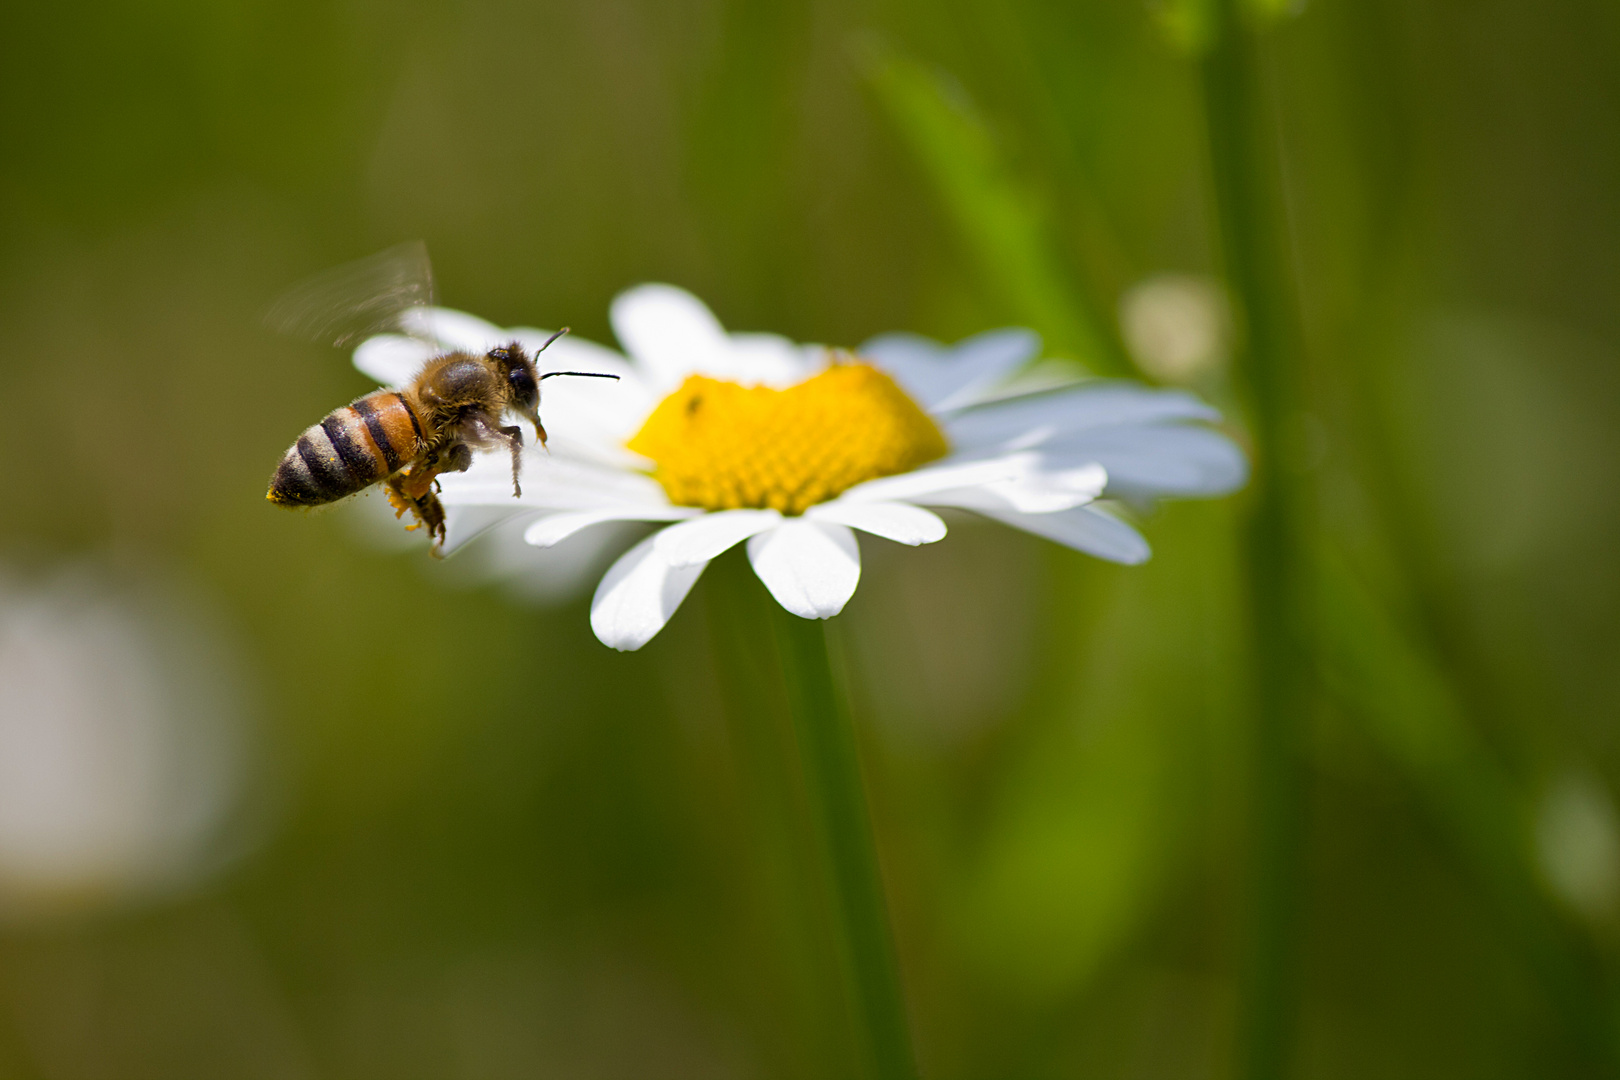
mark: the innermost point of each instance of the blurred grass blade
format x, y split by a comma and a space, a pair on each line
1244, 144
1407, 707
1190, 24
999, 219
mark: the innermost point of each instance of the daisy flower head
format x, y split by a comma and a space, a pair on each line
724, 438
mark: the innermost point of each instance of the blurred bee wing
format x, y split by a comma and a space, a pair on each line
373, 295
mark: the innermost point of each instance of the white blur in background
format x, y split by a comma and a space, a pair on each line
124, 744
1577, 837
1177, 326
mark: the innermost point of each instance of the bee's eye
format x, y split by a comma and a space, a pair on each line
525, 391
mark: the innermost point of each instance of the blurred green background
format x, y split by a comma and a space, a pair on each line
359, 815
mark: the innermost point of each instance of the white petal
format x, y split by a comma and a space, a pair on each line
1019, 423
997, 351
668, 331
452, 329
917, 485
1040, 377
638, 595
553, 575
463, 524
943, 377
392, 359
1158, 459
550, 482
1085, 529
554, 528
703, 538
1040, 489
900, 522
766, 360
811, 568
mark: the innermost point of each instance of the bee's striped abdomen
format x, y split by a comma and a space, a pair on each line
353, 448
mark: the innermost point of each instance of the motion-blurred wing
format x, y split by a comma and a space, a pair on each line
358, 299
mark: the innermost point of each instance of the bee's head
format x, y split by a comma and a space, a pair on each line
522, 381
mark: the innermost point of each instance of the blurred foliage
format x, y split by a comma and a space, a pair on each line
502, 850
1007, 235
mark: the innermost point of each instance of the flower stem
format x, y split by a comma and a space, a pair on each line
801, 1024
832, 774
1247, 202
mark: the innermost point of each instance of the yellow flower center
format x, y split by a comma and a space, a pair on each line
722, 446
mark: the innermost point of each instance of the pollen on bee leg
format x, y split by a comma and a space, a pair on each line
418, 482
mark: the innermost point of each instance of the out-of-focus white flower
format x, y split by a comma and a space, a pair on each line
1176, 325
1578, 841
727, 439
122, 744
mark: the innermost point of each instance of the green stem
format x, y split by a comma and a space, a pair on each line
1247, 187
802, 1023
832, 774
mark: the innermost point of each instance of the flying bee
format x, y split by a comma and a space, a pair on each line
405, 438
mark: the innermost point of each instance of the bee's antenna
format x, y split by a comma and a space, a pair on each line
584, 374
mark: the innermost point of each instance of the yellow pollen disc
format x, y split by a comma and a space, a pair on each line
722, 446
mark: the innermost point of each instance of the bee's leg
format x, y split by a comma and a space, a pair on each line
397, 497
458, 458
514, 441
413, 491
431, 511
425, 508
419, 480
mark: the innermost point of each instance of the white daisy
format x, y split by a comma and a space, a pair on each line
751, 438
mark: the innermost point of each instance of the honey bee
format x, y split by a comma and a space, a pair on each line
404, 438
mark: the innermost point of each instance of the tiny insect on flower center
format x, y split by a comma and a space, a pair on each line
724, 446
